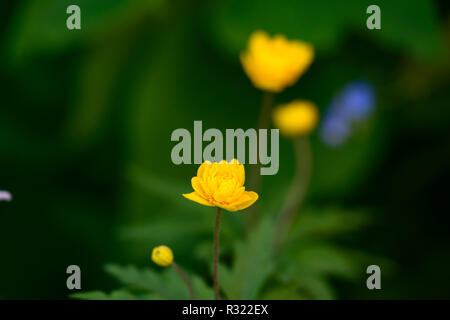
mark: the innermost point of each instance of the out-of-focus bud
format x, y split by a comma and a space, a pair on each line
297, 118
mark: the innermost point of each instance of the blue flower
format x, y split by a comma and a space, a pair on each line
334, 131
357, 100
354, 103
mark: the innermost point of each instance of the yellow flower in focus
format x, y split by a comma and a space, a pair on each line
162, 256
221, 185
272, 64
297, 118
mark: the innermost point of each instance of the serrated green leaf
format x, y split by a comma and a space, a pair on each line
253, 263
317, 288
167, 284
201, 289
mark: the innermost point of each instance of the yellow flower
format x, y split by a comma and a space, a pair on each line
272, 64
221, 185
162, 256
297, 118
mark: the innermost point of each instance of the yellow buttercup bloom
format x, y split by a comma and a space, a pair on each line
221, 185
272, 64
162, 256
297, 118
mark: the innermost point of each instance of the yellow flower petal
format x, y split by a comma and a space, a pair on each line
227, 207
203, 167
247, 200
200, 187
194, 196
241, 171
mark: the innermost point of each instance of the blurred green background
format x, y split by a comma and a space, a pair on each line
85, 123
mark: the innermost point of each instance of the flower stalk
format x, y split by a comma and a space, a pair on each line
297, 190
266, 109
216, 255
254, 174
221, 185
185, 279
163, 257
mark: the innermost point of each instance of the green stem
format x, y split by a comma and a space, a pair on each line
216, 256
297, 190
266, 107
186, 280
254, 172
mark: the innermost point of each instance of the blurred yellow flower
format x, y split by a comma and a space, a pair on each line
297, 118
272, 64
162, 256
221, 185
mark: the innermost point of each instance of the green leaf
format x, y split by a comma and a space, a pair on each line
308, 259
253, 263
201, 289
308, 282
167, 284
317, 287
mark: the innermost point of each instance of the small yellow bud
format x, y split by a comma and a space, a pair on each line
162, 256
297, 118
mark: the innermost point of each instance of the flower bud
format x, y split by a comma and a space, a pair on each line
297, 118
162, 256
